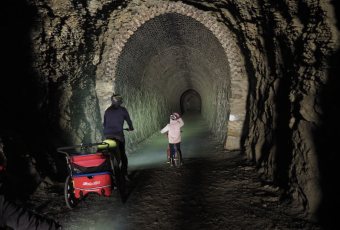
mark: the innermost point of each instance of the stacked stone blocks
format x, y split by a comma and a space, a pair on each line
238, 79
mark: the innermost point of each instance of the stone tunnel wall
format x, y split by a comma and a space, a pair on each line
289, 50
177, 58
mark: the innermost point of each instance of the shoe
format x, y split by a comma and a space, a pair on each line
171, 165
127, 178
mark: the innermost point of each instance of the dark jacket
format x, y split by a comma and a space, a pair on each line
19, 218
114, 118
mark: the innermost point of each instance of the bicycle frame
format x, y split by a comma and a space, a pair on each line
173, 152
175, 157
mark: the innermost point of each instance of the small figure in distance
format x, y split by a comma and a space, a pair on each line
114, 118
174, 134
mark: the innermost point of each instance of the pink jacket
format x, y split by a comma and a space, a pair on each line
174, 130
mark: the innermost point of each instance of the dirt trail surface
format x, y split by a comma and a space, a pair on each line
214, 189
219, 192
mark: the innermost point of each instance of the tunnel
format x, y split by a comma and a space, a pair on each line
262, 74
191, 101
166, 56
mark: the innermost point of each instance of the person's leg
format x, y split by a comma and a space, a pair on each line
123, 156
171, 155
178, 146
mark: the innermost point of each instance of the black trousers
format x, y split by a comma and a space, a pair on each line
20, 218
122, 154
178, 146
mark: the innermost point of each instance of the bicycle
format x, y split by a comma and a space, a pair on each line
175, 154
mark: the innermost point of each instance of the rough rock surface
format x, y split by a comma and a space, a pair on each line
289, 50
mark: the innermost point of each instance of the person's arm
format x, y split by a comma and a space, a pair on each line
128, 120
181, 122
165, 129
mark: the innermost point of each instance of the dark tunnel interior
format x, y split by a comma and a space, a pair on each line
191, 101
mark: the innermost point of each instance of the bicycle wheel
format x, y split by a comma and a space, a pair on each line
177, 159
119, 180
71, 200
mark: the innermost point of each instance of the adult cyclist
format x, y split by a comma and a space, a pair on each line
114, 118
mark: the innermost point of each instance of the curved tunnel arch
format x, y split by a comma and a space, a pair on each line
196, 52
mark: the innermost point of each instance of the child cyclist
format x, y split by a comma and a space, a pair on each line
174, 134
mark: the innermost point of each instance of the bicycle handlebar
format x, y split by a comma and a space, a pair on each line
82, 146
85, 145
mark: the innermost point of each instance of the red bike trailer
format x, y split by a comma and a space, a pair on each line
92, 173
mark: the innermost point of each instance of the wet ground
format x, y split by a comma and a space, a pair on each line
214, 189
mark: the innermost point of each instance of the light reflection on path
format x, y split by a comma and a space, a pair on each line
197, 141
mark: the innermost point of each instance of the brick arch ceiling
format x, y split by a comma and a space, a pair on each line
174, 47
